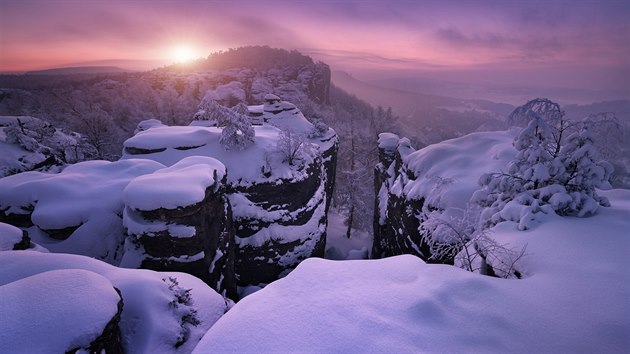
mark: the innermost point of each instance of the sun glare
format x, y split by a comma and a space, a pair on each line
183, 54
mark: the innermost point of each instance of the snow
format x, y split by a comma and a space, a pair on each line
160, 137
136, 225
287, 116
34, 309
9, 236
29, 143
148, 324
453, 162
87, 195
574, 300
338, 246
388, 141
148, 124
243, 166
180, 185
72, 196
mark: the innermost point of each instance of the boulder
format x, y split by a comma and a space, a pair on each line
13, 239
82, 303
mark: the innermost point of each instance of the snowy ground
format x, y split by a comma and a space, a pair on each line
338, 246
575, 299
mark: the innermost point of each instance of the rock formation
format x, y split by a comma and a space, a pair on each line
396, 226
168, 230
278, 208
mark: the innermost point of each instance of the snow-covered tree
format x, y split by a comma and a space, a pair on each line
532, 165
210, 110
237, 130
539, 180
584, 172
319, 129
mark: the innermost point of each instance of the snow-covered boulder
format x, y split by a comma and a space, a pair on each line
76, 211
83, 303
57, 302
13, 238
178, 219
278, 208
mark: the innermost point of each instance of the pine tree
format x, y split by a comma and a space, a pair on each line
584, 172
561, 180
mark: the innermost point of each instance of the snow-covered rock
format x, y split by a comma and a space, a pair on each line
13, 238
83, 304
575, 300
76, 211
74, 298
438, 178
178, 218
279, 208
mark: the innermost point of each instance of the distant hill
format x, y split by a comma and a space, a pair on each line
429, 118
79, 70
621, 109
253, 57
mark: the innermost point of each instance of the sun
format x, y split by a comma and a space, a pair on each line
183, 54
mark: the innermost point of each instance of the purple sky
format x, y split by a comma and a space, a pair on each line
555, 43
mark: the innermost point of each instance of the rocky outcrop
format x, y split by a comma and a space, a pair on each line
179, 201
192, 235
319, 86
423, 198
278, 207
396, 223
77, 211
62, 310
288, 226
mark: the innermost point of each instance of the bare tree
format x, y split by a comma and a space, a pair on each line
292, 146
461, 239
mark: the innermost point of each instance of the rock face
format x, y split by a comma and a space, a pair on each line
289, 225
396, 227
109, 341
192, 235
423, 198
